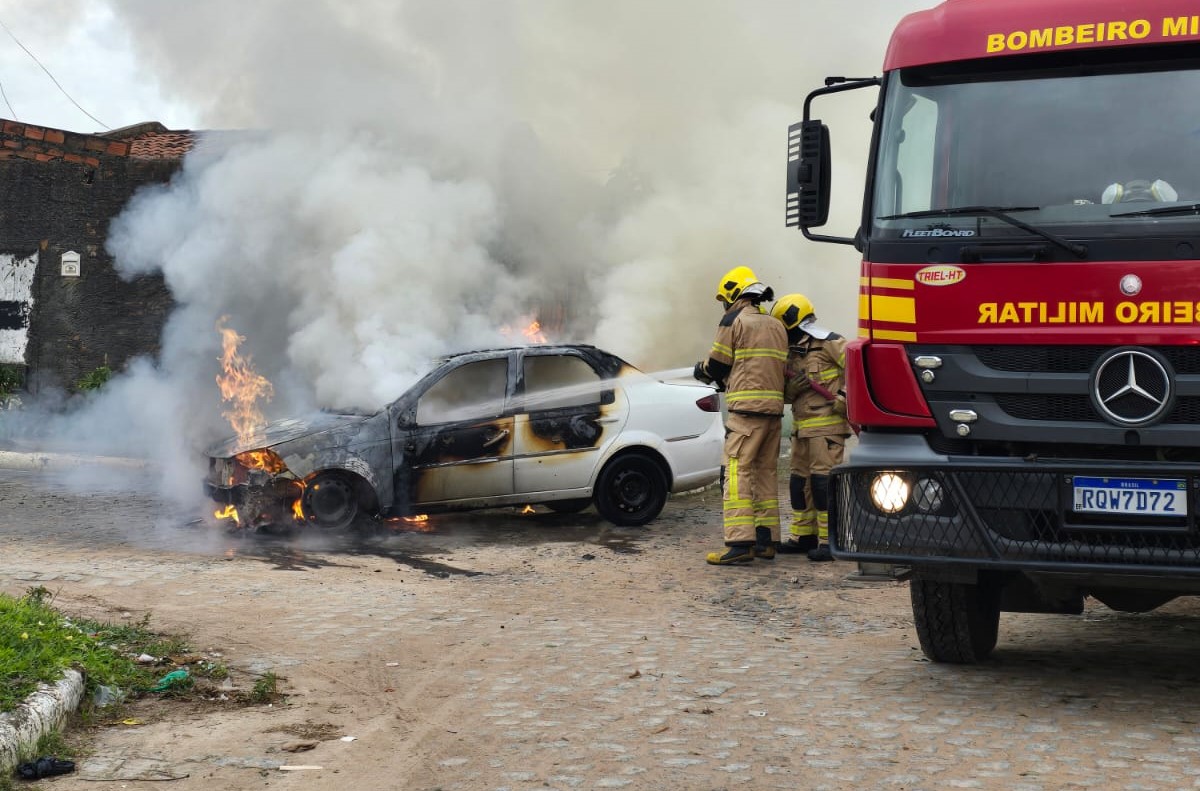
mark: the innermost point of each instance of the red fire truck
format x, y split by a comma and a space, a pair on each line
1027, 371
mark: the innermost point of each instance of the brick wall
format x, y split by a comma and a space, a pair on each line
61, 191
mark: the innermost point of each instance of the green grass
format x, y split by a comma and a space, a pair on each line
37, 643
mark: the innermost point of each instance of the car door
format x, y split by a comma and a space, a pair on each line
455, 441
566, 414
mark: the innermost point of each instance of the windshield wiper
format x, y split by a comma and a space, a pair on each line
1000, 213
1163, 211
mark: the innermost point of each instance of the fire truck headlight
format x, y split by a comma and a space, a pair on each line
889, 492
928, 495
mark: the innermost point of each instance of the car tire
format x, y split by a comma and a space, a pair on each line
331, 501
568, 506
631, 490
956, 622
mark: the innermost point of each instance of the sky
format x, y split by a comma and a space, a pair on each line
393, 180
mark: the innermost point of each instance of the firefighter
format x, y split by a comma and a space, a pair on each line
747, 361
815, 388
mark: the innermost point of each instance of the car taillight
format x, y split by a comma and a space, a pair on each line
710, 403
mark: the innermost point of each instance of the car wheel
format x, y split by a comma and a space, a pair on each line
568, 506
956, 622
631, 490
331, 501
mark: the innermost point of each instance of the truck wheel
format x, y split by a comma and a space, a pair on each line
956, 622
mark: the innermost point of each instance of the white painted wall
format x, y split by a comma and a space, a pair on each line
16, 285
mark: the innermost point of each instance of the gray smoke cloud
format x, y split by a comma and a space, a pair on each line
420, 174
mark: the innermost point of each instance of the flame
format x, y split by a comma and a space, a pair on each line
528, 510
420, 523
228, 512
261, 460
240, 385
532, 331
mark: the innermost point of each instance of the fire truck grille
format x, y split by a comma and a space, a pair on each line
1072, 359
999, 516
1079, 408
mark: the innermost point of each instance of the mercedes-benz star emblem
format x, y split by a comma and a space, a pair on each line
1131, 285
1132, 387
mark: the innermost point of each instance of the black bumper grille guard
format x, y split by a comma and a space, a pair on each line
994, 517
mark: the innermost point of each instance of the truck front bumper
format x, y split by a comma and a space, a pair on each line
897, 502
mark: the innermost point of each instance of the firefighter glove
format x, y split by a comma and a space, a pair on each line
701, 374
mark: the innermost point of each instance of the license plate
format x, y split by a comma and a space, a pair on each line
1135, 496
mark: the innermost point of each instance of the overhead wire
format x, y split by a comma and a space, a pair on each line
51, 76
11, 111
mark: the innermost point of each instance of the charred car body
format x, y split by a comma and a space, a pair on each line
563, 425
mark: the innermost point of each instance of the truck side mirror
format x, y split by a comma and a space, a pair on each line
808, 175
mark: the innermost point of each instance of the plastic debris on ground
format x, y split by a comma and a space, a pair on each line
172, 680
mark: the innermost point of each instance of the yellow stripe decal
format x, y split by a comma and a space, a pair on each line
899, 310
894, 335
891, 282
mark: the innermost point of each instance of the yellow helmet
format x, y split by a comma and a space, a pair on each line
730, 287
792, 309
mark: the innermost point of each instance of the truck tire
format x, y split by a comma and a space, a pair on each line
956, 622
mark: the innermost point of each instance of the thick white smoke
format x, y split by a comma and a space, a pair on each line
422, 173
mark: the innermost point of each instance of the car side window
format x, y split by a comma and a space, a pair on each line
556, 381
472, 391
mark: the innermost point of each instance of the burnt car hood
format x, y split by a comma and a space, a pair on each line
281, 431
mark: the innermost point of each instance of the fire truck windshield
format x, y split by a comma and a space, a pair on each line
1083, 148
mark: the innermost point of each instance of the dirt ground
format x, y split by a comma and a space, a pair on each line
501, 651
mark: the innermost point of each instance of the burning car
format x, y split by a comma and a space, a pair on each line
561, 425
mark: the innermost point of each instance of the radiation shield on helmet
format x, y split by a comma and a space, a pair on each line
731, 285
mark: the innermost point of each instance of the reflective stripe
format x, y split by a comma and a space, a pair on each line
746, 354
829, 374
721, 348
818, 422
731, 505
731, 479
747, 395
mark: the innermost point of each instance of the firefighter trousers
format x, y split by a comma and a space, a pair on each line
751, 466
812, 459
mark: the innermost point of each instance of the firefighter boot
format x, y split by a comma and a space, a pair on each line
736, 553
820, 554
797, 545
764, 547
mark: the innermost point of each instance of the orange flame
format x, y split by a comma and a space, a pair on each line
528, 510
228, 512
420, 523
532, 332
261, 460
240, 385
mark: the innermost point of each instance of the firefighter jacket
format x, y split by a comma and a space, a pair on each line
816, 381
748, 359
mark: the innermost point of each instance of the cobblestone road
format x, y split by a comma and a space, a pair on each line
506, 652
